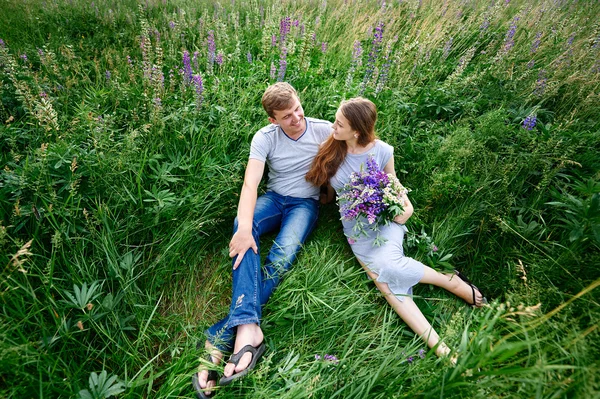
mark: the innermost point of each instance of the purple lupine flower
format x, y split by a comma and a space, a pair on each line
187, 67
40, 52
249, 57
448, 47
540, 84
2, 44
195, 59
434, 248
324, 47
23, 57
273, 71
531, 64
282, 65
369, 194
219, 58
422, 353
212, 47
129, 62
410, 359
284, 29
296, 23
197, 81
313, 38
273, 40
536, 43
107, 75
157, 102
596, 44
570, 40
43, 95
328, 358
357, 52
484, 25
529, 122
383, 73
172, 24
375, 49
509, 41
331, 358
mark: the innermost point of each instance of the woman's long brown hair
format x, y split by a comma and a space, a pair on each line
362, 115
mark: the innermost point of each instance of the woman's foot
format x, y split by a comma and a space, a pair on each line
468, 291
203, 375
247, 334
443, 350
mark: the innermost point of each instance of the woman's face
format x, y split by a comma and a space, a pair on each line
341, 128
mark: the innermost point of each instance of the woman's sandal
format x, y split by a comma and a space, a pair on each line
473, 288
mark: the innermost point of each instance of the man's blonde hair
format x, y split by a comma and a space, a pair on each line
277, 97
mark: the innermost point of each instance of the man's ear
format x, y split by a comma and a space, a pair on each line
273, 121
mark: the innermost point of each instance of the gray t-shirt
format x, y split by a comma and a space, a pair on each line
289, 160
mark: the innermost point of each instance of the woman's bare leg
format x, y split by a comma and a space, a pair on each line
452, 283
410, 313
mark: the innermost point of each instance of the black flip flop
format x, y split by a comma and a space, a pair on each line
256, 351
212, 376
473, 288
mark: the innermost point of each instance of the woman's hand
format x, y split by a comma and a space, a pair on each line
408, 210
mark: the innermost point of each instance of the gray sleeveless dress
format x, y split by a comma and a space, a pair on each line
387, 260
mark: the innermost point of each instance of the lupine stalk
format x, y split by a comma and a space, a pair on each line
199, 89
284, 29
373, 54
187, 68
540, 84
536, 43
282, 65
509, 40
447, 48
356, 62
385, 68
212, 48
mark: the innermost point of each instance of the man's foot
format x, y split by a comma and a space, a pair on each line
207, 379
247, 334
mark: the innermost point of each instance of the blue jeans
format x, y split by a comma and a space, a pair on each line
253, 284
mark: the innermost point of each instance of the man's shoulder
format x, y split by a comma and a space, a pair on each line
267, 130
318, 122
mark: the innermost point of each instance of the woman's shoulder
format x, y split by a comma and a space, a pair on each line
383, 146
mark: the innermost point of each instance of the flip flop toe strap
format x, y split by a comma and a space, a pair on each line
236, 357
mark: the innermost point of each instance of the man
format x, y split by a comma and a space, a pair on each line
288, 146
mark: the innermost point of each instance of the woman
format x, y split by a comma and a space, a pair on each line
347, 150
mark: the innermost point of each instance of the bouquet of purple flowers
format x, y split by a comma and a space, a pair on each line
371, 194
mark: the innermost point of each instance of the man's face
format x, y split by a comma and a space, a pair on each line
291, 120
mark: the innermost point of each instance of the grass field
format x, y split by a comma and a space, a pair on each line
125, 130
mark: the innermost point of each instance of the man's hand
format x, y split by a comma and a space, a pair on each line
239, 244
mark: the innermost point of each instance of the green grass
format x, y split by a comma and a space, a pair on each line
119, 184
